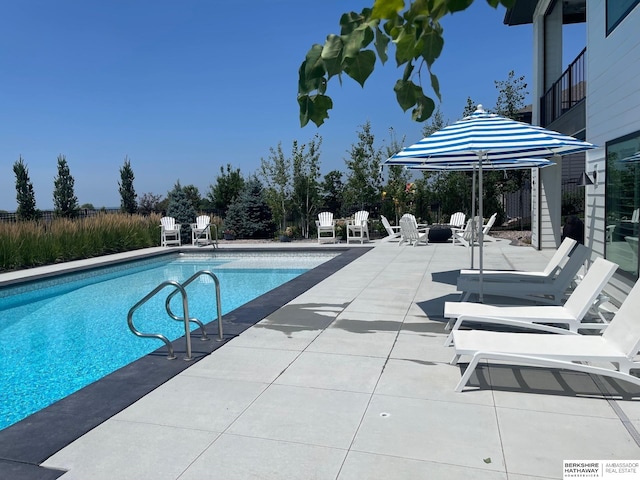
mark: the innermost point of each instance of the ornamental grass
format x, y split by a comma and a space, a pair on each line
35, 243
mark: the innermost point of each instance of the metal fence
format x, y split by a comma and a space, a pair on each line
48, 215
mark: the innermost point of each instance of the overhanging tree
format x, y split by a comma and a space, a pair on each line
25, 195
414, 30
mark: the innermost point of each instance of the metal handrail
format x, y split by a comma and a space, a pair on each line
214, 242
195, 320
566, 91
185, 308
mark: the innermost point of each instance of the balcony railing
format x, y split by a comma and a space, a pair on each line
568, 90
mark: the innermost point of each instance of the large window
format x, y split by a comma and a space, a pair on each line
617, 10
623, 202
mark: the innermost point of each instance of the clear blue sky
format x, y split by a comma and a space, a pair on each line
184, 87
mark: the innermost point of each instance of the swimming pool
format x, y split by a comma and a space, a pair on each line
61, 334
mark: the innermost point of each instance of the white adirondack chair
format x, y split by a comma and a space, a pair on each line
326, 224
169, 232
358, 227
201, 230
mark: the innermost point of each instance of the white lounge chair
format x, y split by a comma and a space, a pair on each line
465, 236
618, 345
571, 314
549, 291
393, 231
457, 220
358, 227
554, 265
201, 230
486, 228
326, 224
169, 232
410, 233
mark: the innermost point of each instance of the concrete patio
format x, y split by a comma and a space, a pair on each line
350, 380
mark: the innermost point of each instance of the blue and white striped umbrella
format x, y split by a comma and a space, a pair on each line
491, 136
481, 139
496, 165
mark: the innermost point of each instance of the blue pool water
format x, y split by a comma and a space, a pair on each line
57, 336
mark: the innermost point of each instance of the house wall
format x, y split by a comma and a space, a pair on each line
547, 67
612, 109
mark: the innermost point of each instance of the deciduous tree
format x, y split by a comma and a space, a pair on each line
363, 189
276, 171
306, 190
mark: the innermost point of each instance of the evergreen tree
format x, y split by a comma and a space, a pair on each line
181, 208
193, 194
249, 215
24, 193
64, 200
228, 186
363, 189
127, 193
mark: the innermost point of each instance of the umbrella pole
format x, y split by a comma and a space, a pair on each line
480, 235
473, 211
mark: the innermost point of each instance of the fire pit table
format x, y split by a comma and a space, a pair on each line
439, 233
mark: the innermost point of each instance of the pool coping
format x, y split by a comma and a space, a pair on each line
28, 443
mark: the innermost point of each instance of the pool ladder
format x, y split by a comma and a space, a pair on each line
178, 288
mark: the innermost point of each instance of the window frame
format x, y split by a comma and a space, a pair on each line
608, 146
610, 28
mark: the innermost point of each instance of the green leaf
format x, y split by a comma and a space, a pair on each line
458, 5
381, 44
332, 55
424, 108
314, 108
356, 41
314, 66
405, 44
307, 85
406, 93
385, 9
408, 70
435, 84
432, 45
360, 67
349, 22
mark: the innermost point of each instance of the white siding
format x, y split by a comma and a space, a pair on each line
613, 103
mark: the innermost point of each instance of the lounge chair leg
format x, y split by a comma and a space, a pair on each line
468, 372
